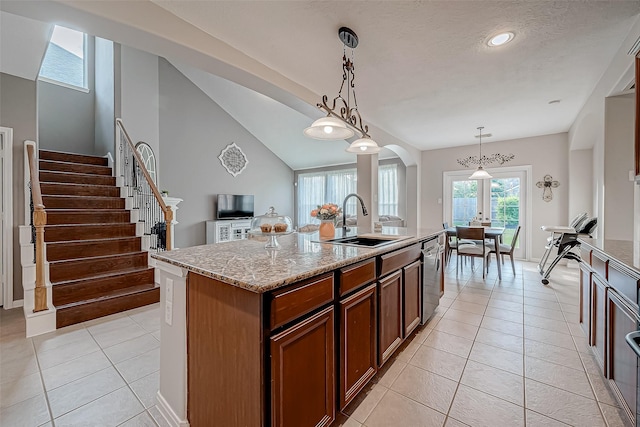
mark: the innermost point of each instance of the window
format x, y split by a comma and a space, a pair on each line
316, 188
64, 61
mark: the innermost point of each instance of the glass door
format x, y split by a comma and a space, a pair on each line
500, 201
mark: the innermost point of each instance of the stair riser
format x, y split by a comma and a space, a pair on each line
46, 165
59, 202
80, 269
85, 232
92, 288
65, 250
93, 217
77, 314
47, 176
73, 158
79, 190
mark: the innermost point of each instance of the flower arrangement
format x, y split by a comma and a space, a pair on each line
327, 211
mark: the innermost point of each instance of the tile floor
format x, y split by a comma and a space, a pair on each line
497, 353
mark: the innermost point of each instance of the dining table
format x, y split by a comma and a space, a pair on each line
494, 233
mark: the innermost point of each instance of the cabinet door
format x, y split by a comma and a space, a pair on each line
585, 299
302, 373
412, 296
390, 320
358, 349
598, 320
623, 362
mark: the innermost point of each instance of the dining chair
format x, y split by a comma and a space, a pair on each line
453, 242
474, 250
506, 249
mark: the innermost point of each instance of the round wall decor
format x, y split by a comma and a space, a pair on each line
233, 159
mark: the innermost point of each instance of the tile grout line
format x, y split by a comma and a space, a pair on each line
44, 390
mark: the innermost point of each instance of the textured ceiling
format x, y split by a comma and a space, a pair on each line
424, 73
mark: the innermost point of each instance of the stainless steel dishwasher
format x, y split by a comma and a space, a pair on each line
431, 277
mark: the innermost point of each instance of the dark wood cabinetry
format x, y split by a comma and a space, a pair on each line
623, 362
358, 349
598, 320
302, 373
390, 321
585, 299
411, 292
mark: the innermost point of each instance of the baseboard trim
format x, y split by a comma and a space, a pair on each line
168, 413
40, 322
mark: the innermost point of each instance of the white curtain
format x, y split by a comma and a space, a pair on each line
388, 190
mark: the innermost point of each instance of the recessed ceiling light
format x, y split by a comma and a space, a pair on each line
500, 39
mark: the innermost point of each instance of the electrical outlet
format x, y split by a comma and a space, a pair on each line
168, 313
169, 290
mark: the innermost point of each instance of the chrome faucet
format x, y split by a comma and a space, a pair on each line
344, 211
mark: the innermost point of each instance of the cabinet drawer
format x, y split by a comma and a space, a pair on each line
599, 265
290, 304
623, 283
397, 259
354, 276
585, 255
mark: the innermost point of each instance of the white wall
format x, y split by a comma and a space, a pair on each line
546, 154
580, 183
194, 130
140, 99
618, 161
104, 98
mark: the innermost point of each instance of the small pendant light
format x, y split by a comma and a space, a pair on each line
480, 173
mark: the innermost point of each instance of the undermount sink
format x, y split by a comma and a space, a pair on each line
367, 240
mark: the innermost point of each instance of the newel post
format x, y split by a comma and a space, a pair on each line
39, 221
168, 218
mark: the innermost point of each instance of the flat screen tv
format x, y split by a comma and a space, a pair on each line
234, 206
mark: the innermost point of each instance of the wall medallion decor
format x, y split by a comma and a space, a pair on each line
546, 184
233, 159
498, 158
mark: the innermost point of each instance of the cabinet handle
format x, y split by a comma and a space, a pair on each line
632, 339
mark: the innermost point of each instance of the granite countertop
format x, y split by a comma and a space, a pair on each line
625, 252
247, 264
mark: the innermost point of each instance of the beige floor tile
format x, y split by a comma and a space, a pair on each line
80, 392
148, 319
12, 392
390, 371
360, 408
599, 384
28, 413
146, 388
566, 308
553, 354
157, 417
60, 338
615, 417
497, 313
540, 303
446, 302
549, 324
451, 422
558, 376
156, 335
16, 347
475, 291
15, 368
548, 294
501, 340
562, 405
143, 419
74, 369
576, 330
116, 331
106, 322
65, 353
549, 337
394, 407
421, 333
497, 357
426, 387
468, 306
503, 326
476, 408
406, 351
463, 316
473, 298
109, 410
139, 366
544, 313
506, 305
132, 348
460, 329
503, 296
508, 289
538, 420
493, 381
449, 343
439, 362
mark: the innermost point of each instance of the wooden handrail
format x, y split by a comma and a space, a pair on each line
39, 222
168, 213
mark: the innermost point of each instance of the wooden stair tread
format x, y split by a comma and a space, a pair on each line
78, 249
112, 294
80, 178
107, 275
79, 158
54, 165
91, 241
100, 257
75, 185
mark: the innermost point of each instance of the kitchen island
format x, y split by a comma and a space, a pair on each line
282, 337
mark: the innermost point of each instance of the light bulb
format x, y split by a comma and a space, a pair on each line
328, 129
363, 148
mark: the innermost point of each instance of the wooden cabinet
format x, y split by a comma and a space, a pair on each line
623, 362
358, 342
390, 316
585, 298
598, 320
411, 294
302, 373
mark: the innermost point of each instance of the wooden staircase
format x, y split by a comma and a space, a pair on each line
96, 262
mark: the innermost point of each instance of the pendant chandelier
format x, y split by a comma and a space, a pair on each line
480, 173
343, 119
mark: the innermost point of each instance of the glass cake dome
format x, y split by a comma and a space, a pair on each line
271, 224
